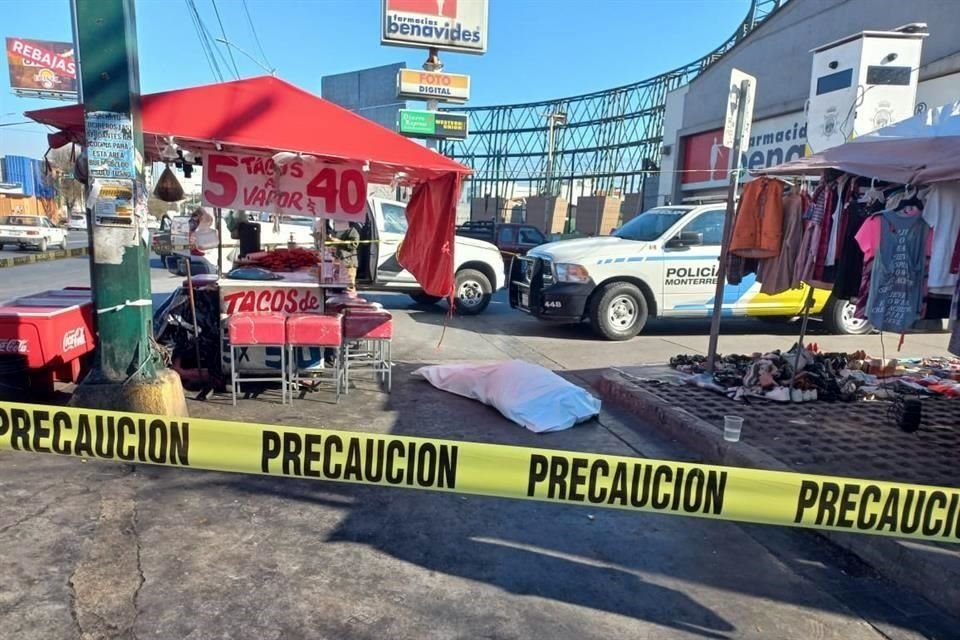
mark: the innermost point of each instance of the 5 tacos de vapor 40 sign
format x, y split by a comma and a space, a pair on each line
452, 25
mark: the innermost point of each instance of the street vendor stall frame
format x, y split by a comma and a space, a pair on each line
268, 116
277, 122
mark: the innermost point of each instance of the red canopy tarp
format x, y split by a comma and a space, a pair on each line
266, 114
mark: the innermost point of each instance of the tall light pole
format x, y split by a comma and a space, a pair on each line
554, 119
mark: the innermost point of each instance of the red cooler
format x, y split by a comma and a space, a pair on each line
47, 336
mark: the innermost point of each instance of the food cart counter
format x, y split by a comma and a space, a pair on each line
294, 292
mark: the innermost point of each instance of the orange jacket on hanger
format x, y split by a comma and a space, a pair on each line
758, 226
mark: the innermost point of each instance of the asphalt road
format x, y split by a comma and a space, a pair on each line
116, 551
560, 346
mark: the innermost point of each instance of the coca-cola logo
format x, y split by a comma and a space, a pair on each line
12, 345
74, 339
278, 300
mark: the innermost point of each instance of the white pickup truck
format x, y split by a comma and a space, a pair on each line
479, 266
661, 264
31, 231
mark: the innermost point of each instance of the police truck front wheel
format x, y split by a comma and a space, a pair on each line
618, 311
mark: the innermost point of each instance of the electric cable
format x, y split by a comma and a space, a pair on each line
256, 38
223, 32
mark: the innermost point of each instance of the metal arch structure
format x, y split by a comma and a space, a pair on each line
606, 141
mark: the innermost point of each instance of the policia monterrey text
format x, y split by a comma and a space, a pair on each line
725, 493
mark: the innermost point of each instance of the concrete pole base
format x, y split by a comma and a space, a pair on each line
162, 396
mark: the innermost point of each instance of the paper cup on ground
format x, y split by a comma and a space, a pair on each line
731, 428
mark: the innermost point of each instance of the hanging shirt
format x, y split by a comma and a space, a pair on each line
758, 225
831, 257
942, 212
776, 274
896, 285
849, 272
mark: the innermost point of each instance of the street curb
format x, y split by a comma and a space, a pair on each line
922, 570
48, 256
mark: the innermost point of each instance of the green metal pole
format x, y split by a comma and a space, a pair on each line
120, 268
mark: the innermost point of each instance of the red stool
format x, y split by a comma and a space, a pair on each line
257, 330
371, 327
315, 330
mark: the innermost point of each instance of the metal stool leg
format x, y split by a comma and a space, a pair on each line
292, 372
283, 375
389, 363
337, 373
233, 374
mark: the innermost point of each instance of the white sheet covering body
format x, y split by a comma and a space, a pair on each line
528, 394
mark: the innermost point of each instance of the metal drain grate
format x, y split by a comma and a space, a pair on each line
852, 439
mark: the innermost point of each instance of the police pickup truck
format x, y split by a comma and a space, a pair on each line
661, 264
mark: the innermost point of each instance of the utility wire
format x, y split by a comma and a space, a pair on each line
194, 18
256, 38
212, 43
223, 32
204, 42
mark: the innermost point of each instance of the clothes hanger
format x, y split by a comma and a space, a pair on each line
872, 194
909, 198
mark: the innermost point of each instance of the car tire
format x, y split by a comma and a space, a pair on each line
473, 292
618, 311
422, 298
838, 319
42, 246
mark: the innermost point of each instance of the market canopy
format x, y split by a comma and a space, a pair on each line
919, 150
266, 114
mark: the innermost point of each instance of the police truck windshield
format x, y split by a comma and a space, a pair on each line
650, 225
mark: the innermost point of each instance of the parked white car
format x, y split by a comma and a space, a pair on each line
479, 266
77, 222
31, 231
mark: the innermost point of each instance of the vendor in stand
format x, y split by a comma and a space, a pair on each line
345, 246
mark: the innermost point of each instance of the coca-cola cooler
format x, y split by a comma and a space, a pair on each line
46, 337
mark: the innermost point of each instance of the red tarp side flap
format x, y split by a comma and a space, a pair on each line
427, 249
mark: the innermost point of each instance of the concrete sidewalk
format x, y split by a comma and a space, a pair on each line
835, 439
104, 550
146, 552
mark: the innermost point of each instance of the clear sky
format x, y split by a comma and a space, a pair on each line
538, 49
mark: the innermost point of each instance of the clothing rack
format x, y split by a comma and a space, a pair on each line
807, 305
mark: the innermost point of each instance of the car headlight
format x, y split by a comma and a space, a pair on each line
571, 273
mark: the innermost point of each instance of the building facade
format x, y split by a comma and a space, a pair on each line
371, 93
778, 54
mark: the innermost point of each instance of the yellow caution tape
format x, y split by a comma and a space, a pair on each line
639, 484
